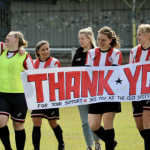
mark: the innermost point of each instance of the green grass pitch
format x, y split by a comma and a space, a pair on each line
126, 134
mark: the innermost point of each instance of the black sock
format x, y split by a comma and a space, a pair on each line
109, 139
20, 137
58, 133
147, 139
36, 136
4, 134
142, 134
100, 133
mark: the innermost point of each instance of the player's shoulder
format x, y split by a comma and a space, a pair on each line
54, 59
135, 48
35, 60
1, 43
116, 50
92, 50
3, 46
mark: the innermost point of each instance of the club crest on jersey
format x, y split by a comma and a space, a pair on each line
110, 59
48, 67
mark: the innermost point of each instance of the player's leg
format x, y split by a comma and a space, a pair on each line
95, 122
139, 125
94, 118
20, 135
137, 114
109, 130
146, 123
83, 111
4, 114
18, 115
53, 115
109, 111
36, 132
4, 132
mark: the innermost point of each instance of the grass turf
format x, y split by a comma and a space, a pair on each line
126, 134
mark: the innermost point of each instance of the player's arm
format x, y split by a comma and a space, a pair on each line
57, 64
117, 59
74, 61
89, 60
28, 63
2, 47
21, 51
131, 59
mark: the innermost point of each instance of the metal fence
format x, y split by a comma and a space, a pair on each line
65, 55
60, 23
4, 19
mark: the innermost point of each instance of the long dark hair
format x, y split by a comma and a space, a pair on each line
111, 34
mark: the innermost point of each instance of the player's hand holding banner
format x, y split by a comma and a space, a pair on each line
69, 86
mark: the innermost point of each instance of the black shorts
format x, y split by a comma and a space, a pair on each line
139, 106
49, 114
14, 104
104, 107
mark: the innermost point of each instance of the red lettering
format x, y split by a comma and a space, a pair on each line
59, 85
38, 78
132, 79
76, 87
103, 83
88, 85
145, 69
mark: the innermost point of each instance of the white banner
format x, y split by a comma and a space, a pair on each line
70, 86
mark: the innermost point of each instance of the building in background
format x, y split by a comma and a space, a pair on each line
59, 21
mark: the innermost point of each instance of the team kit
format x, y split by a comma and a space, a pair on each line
14, 60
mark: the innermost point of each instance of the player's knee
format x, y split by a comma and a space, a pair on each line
94, 126
53, 123
108, 125
146, 123
3, 120
18, 126
139, 127
37, 124
37, 121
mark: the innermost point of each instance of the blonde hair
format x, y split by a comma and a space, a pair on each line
38, 45
110, 34
89, 34
145, 28
20, 36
